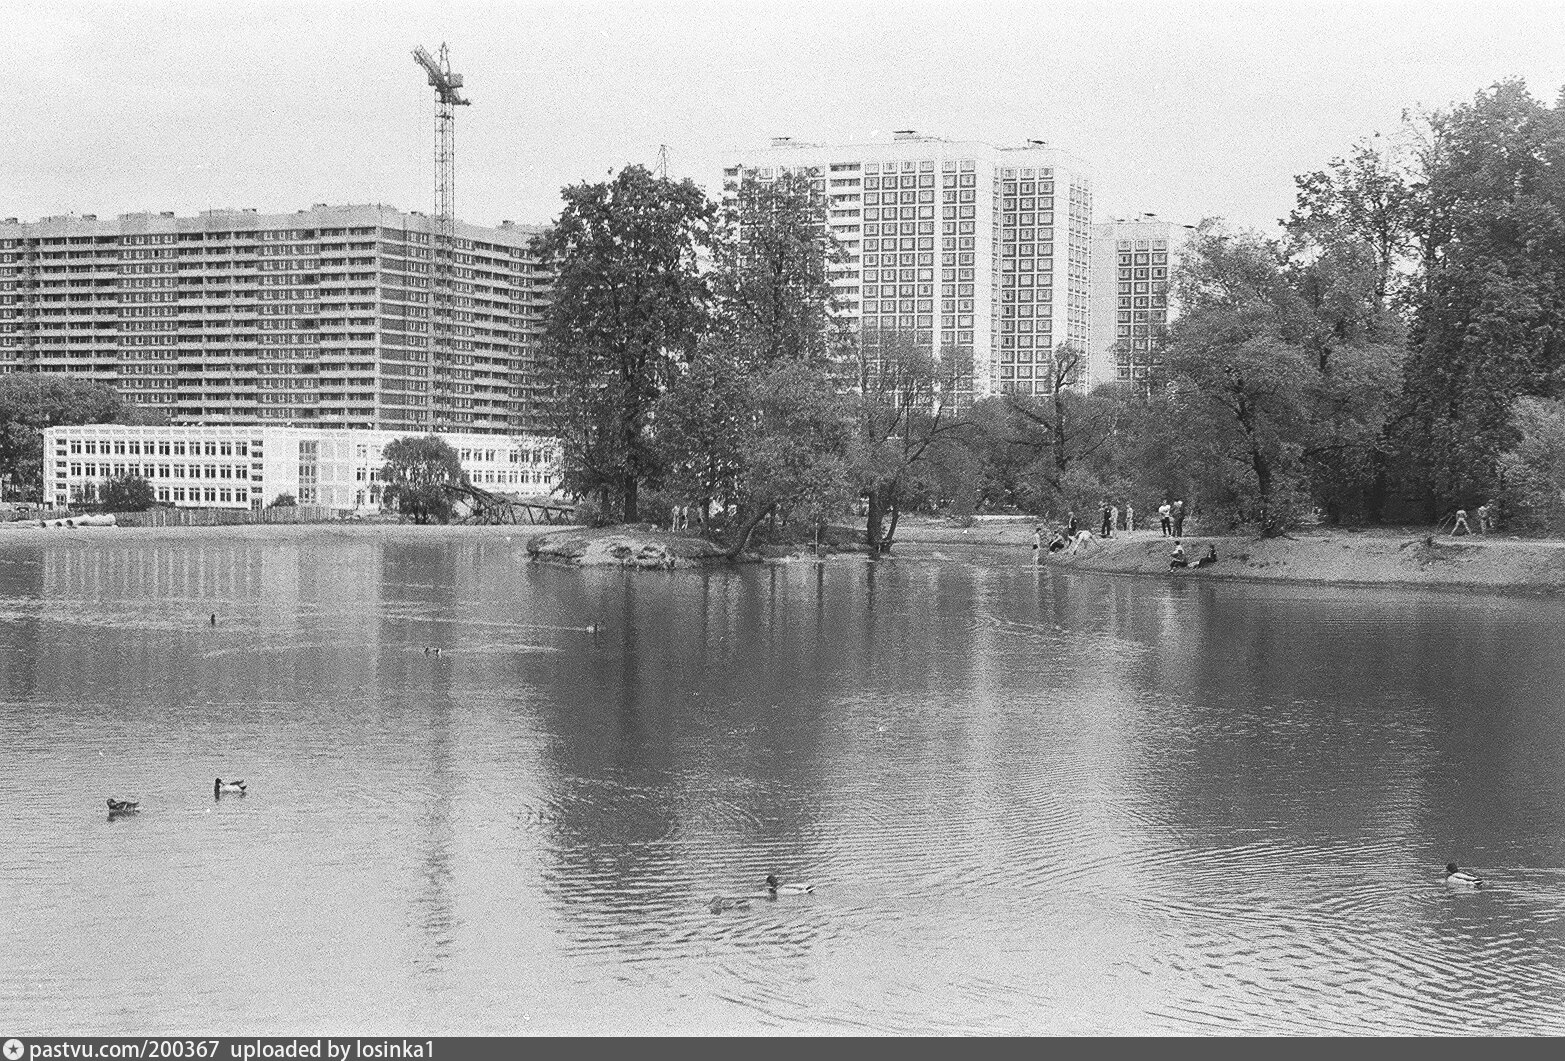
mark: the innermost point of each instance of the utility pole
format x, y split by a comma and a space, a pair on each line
662, 166
445, 84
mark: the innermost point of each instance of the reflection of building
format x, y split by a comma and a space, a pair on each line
319, 318
1131, 302
964, 249
248, 467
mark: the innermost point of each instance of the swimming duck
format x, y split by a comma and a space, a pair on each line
227, 788
776, 888
124, 806
1461, 877
720, 903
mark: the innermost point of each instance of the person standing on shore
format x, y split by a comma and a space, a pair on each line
1106, 527
1070, 524
1164, 518
1114, 518
1178, 512
1037, 544
1461, 526
1130, 516
1486, 517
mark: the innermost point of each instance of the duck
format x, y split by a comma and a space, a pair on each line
720, 903
124, 806
1461, 877
228, 788
777, 888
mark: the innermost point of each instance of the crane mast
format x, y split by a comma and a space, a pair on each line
442, 357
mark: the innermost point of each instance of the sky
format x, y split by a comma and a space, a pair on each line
1181, 108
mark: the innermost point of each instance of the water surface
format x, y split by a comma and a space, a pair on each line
1030, 802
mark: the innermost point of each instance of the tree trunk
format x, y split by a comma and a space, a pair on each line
746, 528
891, 532
874, 520
630, 497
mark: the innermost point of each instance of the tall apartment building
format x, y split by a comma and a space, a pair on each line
1132, 302
320, 318
970, 251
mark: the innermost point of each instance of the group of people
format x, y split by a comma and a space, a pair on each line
1178, 558
1488, 514
679, 518
1171, 518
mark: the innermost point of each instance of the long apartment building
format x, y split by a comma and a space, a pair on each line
227, 466
336, 316
1132, 300
968, 250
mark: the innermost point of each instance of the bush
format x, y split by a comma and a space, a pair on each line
283, 501
127, 493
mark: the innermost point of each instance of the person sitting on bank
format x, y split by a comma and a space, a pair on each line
1177, 557
1056, 543
1209, 559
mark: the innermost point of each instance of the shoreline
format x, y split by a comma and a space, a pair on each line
1374, 557
1307, 557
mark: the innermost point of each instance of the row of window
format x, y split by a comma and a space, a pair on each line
165, 448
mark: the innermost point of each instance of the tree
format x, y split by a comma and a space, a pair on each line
752, 419
905, 425
1241, 376
628, 306
1488, 319
283, 501
772, 283
126, 493
1534, 470
30, 402
417, 473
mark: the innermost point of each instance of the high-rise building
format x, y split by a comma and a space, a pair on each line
966, 250
1132, 302
320, 318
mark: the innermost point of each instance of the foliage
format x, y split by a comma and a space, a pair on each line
283, 501
905, 431
1534, 470
771, 284
126, 493
1488, 320
627, 308
417, 473
30, 402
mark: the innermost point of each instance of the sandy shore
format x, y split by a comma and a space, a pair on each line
1377, 557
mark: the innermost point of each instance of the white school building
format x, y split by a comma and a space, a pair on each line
250, 467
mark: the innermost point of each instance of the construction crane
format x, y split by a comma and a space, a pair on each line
442, 357
445, 84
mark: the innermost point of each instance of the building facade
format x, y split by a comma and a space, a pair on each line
962, 249
232, 466
337, 316
1132, 301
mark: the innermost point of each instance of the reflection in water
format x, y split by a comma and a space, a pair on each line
1030, 802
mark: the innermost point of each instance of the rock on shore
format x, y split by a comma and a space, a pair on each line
636, 545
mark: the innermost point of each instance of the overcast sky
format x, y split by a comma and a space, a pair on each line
1185, 109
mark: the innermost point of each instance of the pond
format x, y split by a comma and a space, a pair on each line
1029, 802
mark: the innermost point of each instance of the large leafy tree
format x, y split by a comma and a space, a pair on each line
418, 474
628, 306
1242, 377
31, 401
753, 419
1488, 319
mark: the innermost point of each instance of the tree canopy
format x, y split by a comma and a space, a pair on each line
416, 474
